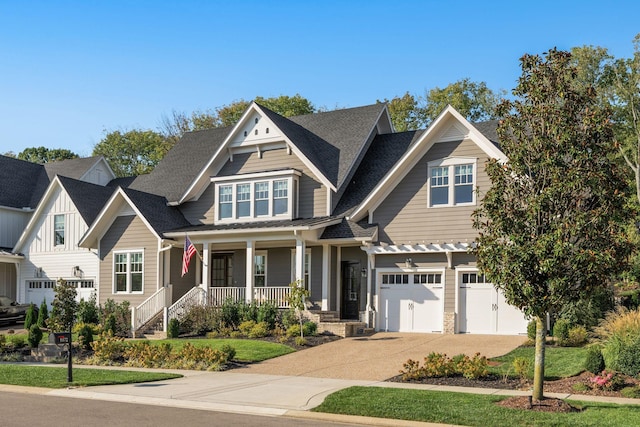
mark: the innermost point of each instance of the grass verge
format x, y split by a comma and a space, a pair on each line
467, 409
560, 362
56, 377
246, 350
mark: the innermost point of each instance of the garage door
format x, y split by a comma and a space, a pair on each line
41, 290
483, 309
410, 302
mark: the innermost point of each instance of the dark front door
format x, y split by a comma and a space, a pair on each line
221, 270
350, 290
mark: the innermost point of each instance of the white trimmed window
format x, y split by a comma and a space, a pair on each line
256, 197
445, 191
58, 230
127, 272
260, 269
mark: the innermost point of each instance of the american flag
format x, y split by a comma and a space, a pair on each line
189, 250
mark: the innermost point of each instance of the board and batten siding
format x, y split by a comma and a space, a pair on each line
74, 226
128, 233
12, 224
312, 195
405, 216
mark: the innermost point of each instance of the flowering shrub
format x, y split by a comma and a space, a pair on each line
607, 380
439, 365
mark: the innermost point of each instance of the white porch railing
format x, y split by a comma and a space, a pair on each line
218, 295
150, 307
276, 294
195, 296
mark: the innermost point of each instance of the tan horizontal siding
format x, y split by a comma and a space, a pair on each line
404, 216
128, 233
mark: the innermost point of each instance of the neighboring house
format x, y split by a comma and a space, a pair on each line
23, 185
375, 224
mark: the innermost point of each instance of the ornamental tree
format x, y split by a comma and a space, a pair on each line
552, 223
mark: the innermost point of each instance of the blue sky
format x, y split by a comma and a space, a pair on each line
71, 70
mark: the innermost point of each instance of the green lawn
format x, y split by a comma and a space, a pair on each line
246, 350
467, 409
56, 377
560, 362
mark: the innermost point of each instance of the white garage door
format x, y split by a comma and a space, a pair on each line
40, 290
483, 310
411, 302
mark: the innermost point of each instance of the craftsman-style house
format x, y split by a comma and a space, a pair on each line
375, 224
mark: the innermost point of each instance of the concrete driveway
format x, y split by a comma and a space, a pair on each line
379, 356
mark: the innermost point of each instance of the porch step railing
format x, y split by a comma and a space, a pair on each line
194, 297
276, 294
143, 313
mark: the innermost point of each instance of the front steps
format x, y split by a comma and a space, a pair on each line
330, 322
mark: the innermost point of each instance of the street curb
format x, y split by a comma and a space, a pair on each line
358, 419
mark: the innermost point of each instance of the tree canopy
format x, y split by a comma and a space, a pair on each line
474, 100
552, 223
134, 152
44, 155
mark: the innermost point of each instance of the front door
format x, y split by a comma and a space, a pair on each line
350, 290
221, 270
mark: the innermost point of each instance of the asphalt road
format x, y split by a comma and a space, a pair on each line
35, 410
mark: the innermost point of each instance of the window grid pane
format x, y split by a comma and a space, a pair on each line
280, 197
464, 184
58, 229
225, 200
261, 198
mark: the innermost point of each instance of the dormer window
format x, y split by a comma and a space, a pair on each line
451, 182
256, 197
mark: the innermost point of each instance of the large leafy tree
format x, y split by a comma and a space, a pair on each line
405, 112
44, 155
552, 223
134, 152
474, 100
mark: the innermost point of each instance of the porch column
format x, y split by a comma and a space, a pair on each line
249, 270
371, 264
206, 277
326, 280
300, 250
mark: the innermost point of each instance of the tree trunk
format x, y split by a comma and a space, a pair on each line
538, 371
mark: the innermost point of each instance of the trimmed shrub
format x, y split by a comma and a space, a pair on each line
293, 331
301, 341
85, 336
268, 313
201, 319
43, 314
30, 317
173, 328
628, 361
230, 312
246, 326
121, 313
229, 351
35, 335
309, 329
289, 318
110, 324
259, 330
561, 332
522, 368
108, 348
248, 311
594, 361
578, 336
88, 311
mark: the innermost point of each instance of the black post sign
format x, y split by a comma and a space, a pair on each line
62, 338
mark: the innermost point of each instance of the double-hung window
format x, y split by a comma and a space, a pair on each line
58, 230
256, 197
451, 182
260, 270
128, 272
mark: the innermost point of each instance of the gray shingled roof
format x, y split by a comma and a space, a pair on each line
18, 181
489, 130
348, 229
346, 130
88, 198
154, 209
182, 164
383, 153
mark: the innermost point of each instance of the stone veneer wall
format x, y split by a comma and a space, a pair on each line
449, 326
